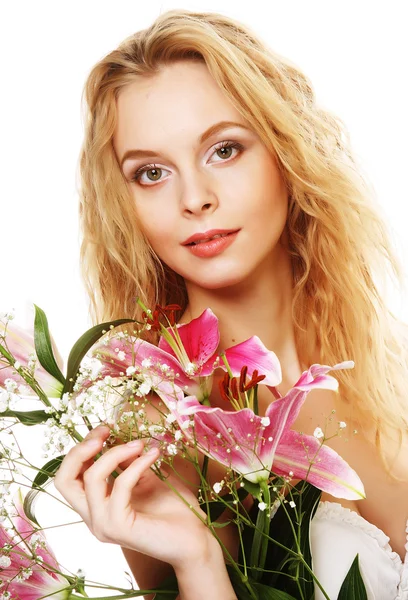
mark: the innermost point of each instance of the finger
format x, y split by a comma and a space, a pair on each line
96, 478
124, 484
69, 477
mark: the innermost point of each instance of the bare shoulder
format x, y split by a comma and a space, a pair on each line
383, 470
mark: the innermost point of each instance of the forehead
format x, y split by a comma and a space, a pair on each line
178, 103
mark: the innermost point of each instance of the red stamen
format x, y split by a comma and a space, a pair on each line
242, 379
234, 388
255, 379
224, 390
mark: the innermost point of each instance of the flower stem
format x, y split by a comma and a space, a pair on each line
261, 535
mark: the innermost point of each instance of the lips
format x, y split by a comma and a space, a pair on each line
212, 234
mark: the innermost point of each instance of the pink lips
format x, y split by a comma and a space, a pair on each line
206, 245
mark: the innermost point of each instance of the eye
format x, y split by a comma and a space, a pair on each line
228, 146
147, 169
156, 171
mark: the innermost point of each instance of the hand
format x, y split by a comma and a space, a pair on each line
138, 510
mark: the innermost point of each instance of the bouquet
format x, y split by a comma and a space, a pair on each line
112, 377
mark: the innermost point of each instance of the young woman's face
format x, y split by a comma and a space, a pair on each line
199, 183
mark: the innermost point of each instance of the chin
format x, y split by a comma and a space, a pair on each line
217, 280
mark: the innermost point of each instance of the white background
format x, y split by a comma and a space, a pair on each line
354, 52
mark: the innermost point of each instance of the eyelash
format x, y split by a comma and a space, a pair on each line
139, 172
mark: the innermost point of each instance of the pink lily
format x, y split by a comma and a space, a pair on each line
253, 445
20, 344
22, 575
190, 353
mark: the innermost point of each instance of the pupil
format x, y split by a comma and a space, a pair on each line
155, 173
224, 150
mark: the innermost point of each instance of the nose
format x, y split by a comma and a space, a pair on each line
198, 195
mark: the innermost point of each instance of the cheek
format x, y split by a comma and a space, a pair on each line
155, 228
263, 194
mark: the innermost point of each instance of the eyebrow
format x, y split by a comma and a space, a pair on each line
217, 127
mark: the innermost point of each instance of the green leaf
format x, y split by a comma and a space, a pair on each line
29, 505
42, 479
31, 417
263, 592
6, 354
277, 559
253, 488
239, 586
353, 587
43, 346
216, 507
267, 593
47, 471
81, 347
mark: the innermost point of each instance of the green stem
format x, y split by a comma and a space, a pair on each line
134, 594
225, 550
224, 360
256, 409
267, 523
261, 535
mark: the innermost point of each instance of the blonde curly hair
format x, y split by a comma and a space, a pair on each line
337, 239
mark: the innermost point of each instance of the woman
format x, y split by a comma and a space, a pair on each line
238, 149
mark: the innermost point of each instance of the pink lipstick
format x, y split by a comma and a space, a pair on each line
210, 243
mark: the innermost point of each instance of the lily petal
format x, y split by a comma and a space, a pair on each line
315, 376
20, 344
42, 581
284, 411
329, 472
235, 439
200, 338
253, 354
119, 354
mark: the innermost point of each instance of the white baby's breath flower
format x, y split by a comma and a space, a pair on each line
164, 367
342, 424
170, 418
17, 365
65, 420
318, 433
265, 421
155, 429
217, 487
130, 370
146, 363
262, 506
178, 435
144, 389
35, 540
7, 316
5, 562
292, 504
10, 385
172, 449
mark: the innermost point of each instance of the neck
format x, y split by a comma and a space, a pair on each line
261, 306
